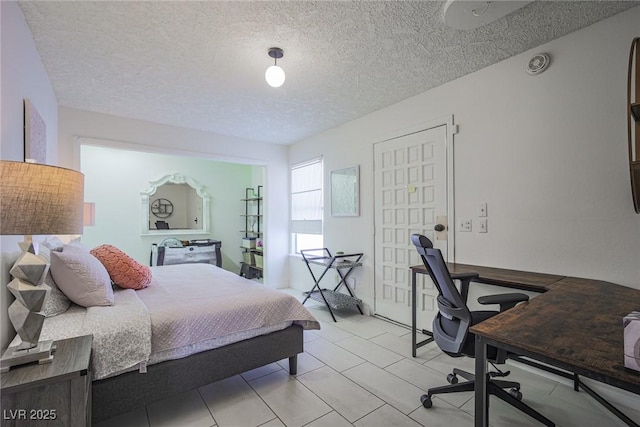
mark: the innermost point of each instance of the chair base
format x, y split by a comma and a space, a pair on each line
494, 387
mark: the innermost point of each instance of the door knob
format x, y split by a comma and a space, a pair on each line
439, 227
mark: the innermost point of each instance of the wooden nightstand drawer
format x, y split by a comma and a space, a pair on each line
53, 394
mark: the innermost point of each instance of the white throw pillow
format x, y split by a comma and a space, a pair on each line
75, 246
53, 243
82, 278
56, 302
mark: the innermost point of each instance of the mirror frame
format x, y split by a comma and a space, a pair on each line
175, 178
633, 121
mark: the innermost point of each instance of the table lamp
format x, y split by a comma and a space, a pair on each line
36, 200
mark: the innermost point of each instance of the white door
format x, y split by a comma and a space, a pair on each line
410, 197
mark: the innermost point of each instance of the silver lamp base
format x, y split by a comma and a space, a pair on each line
42, 353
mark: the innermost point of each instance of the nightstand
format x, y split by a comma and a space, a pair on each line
52, 394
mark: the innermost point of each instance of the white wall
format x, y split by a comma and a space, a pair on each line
114, 179
22, 76
548, 153
154, 137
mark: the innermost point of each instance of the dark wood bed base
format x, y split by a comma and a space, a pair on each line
131, 390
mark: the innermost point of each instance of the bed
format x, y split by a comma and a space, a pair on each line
195, 324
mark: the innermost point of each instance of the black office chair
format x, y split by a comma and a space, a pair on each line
451, 330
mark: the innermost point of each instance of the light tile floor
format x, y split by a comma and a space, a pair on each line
359, 372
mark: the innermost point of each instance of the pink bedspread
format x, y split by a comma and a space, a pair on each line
194, 303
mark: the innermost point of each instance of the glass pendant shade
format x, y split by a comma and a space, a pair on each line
274, 76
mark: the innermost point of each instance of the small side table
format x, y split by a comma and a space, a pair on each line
53, 394
344, 265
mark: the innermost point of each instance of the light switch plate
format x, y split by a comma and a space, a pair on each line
464, 225
482, 209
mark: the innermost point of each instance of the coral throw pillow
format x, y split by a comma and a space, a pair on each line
125, 271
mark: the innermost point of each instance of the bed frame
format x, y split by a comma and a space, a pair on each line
131, 390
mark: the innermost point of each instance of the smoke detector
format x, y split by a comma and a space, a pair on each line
470, 14
538, 63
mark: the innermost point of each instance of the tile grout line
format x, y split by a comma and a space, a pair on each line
215, 422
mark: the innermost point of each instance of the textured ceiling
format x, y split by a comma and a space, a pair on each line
201, 64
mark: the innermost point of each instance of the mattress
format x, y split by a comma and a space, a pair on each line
197, 307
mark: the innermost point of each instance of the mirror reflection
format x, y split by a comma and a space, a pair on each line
175, 202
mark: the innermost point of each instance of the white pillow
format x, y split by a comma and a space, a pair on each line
56, 302
82, 278
53, 243
75, 246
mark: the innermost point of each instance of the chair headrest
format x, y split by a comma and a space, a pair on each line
421, 241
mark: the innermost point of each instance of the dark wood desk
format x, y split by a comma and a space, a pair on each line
524, 280
576, 326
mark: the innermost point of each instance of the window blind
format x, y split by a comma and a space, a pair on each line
306, 197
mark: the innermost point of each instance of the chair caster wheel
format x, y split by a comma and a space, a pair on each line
426, 401
452, 379
514, 392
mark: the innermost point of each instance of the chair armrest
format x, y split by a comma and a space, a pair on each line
465, 276
465, 279
506, 301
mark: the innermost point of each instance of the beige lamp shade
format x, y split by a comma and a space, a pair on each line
40, 199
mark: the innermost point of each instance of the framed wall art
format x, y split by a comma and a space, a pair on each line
345, 192
35, 135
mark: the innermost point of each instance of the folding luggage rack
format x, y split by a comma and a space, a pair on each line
343, 264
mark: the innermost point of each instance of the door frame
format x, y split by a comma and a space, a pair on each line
451, 130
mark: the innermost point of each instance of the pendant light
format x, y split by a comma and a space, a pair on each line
274, 74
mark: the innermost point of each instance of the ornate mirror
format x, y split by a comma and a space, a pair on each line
175, 204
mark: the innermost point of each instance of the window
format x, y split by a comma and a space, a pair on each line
306, 206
